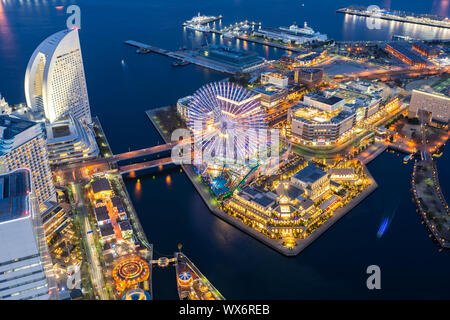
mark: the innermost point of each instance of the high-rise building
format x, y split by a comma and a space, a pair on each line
433, 102
25, 273
55, 82
22, 145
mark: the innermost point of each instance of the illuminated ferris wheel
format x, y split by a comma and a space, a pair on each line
227, 121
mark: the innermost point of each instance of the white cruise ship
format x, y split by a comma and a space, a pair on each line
298, 30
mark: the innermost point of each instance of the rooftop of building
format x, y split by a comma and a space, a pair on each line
432, 92
342, 171
230, 52
405, 49
328, 202
424, 46
50, 213
100, 185
125, 225
323, 98
101, 213
310, 174
106, 230
250, 191
117, 201
15, 189
274, 75
289, 190
264, 201
305, 204
11, 126
310, 70
312, 115
269, 89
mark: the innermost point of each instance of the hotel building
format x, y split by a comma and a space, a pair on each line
70, 140
22, 145
435, 103
24, 274
55, 82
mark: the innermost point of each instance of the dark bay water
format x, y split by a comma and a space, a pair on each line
171, 211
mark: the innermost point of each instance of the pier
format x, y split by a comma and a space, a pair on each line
193, 56
378, 14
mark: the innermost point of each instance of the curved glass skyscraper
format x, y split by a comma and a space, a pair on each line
55, 82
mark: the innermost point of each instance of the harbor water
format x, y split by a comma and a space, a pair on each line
123, 84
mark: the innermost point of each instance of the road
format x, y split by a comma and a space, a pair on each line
92, 255
391, 73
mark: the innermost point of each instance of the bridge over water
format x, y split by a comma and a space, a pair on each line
76, 169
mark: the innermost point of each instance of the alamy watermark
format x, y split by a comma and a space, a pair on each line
374, 21
237, 147
74, 20
374, 280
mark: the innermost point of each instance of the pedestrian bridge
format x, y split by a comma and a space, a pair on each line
130, 155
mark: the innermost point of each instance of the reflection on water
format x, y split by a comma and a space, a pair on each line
6, 37
138, 189
169, 181
440, 7
355, 27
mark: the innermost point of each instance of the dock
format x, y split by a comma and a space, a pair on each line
192, 56
149, 48
392, 17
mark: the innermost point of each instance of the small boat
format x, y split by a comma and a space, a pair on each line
180, 63
407, 158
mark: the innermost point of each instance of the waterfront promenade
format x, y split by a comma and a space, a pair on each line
276, 244
430, 202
